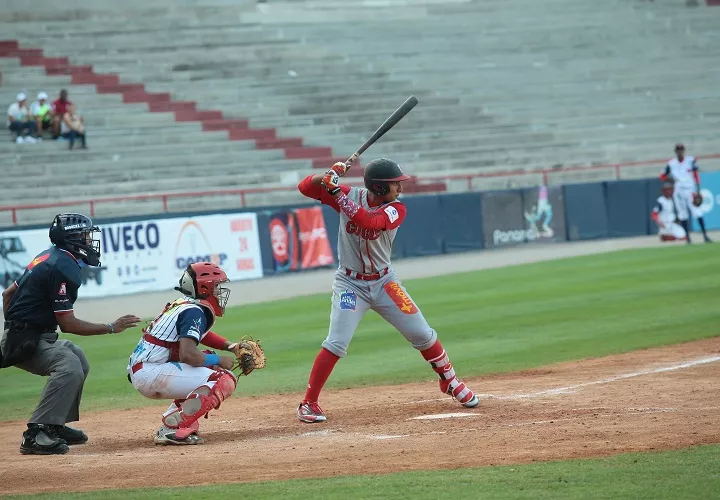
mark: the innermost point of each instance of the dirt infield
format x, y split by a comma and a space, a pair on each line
654, 399
664, 398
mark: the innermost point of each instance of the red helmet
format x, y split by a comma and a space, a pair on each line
202, 281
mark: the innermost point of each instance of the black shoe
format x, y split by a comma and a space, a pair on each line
707, 240
69, 435
40, 439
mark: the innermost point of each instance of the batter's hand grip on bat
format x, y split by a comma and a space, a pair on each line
392, 120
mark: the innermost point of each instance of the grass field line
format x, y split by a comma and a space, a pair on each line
291, 285
571, 388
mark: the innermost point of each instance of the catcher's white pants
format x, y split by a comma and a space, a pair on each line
683, 198
171, 380
672, 229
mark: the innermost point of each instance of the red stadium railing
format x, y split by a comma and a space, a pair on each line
241, 193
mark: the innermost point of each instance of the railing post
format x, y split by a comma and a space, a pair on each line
14, 215
242, 199
545, 178
164, 199
469, 181
617, 172
92, 208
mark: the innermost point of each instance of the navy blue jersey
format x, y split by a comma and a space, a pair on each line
48, 286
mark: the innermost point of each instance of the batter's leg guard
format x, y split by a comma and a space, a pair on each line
207, 397
449, 383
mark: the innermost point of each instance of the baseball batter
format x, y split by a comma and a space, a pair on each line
166, 364
369, 220
684, 172
664, 215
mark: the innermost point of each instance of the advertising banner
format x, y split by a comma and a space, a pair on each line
710, 208
299, 240
149, 255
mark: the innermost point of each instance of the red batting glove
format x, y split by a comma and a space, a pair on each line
331, 181
339, 168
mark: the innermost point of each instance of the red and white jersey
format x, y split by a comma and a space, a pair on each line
364, 243
181, 318
683, 172
368, 250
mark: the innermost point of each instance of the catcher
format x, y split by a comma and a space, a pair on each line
166, 363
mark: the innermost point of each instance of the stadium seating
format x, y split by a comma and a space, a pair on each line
202, 95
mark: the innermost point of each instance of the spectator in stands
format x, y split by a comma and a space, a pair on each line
73, 127
20, 120
42, 111
60, 106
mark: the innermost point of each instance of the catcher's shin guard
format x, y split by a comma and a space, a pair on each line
207, 397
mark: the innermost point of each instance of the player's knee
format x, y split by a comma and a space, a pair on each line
224, 386
422, 340
337, 348
72, 374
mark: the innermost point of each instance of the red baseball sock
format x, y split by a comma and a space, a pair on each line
321, 370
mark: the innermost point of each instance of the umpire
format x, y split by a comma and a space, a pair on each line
33, 307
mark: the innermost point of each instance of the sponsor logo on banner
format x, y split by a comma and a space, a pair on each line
193, 245
131, 251
245, 231
299, 240
539, 216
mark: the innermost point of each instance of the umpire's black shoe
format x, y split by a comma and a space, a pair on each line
69, 435
40, 439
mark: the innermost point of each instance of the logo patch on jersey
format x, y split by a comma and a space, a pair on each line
38, 260
348, 300
392, 213
63, 289
401, 299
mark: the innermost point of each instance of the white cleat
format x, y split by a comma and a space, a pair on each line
166, 436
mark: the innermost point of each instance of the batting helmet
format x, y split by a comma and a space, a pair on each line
74, 233
381, 171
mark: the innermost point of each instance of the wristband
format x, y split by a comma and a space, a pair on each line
112, 328
211, 360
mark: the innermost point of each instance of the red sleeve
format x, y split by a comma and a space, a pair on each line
319, 193
386, 217
213, 340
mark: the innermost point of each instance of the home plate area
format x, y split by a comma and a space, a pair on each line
654, 399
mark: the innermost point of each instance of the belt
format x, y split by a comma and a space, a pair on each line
366, 277
173, 346
22, 325
136, 367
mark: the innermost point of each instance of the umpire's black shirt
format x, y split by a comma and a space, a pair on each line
49, 285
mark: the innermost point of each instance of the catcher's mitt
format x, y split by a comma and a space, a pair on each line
697, 199
250, 355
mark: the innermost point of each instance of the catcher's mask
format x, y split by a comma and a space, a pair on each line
203, 281
379, 172
75, 234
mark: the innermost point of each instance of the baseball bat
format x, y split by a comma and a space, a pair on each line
392, 120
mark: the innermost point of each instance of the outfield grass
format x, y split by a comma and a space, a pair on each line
691, 473
490, 321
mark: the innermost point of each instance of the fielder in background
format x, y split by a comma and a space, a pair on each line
369, 220
665, 215
33, 307
167, 364
684, 172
